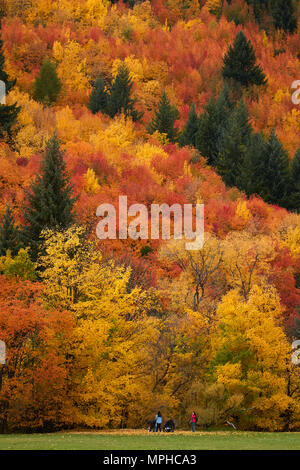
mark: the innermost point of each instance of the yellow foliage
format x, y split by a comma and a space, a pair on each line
265, 39
291, 239
91, 182
246, 259
254, 352
58, 51
67, 126
150, 93
230, 376
96, 11
113, 338
41, 10
279, 95
134, 66
214, 6
161, 137
242, 211
187, 171
20, 266
146, 152
36, 124
118, 136
72, 69
191, 24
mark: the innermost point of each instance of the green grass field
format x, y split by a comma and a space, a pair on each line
141, 440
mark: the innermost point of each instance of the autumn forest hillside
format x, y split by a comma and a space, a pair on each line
164, 101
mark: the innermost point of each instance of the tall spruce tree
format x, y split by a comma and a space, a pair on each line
277, 172
188, 135
254, 167
50, 200
119, 100
259, 7
211, 123
8, 113
47, 85
240, 63
283, 12
99, 97
164, 118
9, 234
8, 116
232, 145
294, 193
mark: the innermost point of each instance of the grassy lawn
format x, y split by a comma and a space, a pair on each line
141, 440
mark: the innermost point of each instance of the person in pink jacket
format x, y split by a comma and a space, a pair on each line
194, 421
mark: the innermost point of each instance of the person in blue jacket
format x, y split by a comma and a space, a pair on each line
158, 421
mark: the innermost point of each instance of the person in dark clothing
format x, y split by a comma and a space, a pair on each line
152, 426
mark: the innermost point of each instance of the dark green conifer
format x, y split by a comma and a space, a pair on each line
283, 12
47, 85
9, 234
188, 135
254, 168
240, 63
50, 201
277, 172
232, 145
211, 123
294, 196
119, 100
164, 118
98, 99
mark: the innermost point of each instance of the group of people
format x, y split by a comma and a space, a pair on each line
169, 426
156, 424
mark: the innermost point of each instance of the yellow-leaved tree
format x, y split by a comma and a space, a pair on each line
253, 358
114, 338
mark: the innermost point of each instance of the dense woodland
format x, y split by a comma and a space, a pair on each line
165, 101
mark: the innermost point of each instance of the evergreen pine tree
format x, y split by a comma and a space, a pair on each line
50, 201
240, 63
164, 118
188, 135
259, 7
294, 196
47, 85
9, 234
119, 100
233, 144
211, 123
254, 167
283, 12
277, 172
8, 114
98, 98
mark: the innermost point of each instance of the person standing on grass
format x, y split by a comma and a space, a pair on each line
194, 421
158, 421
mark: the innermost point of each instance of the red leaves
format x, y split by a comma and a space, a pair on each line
33, 385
